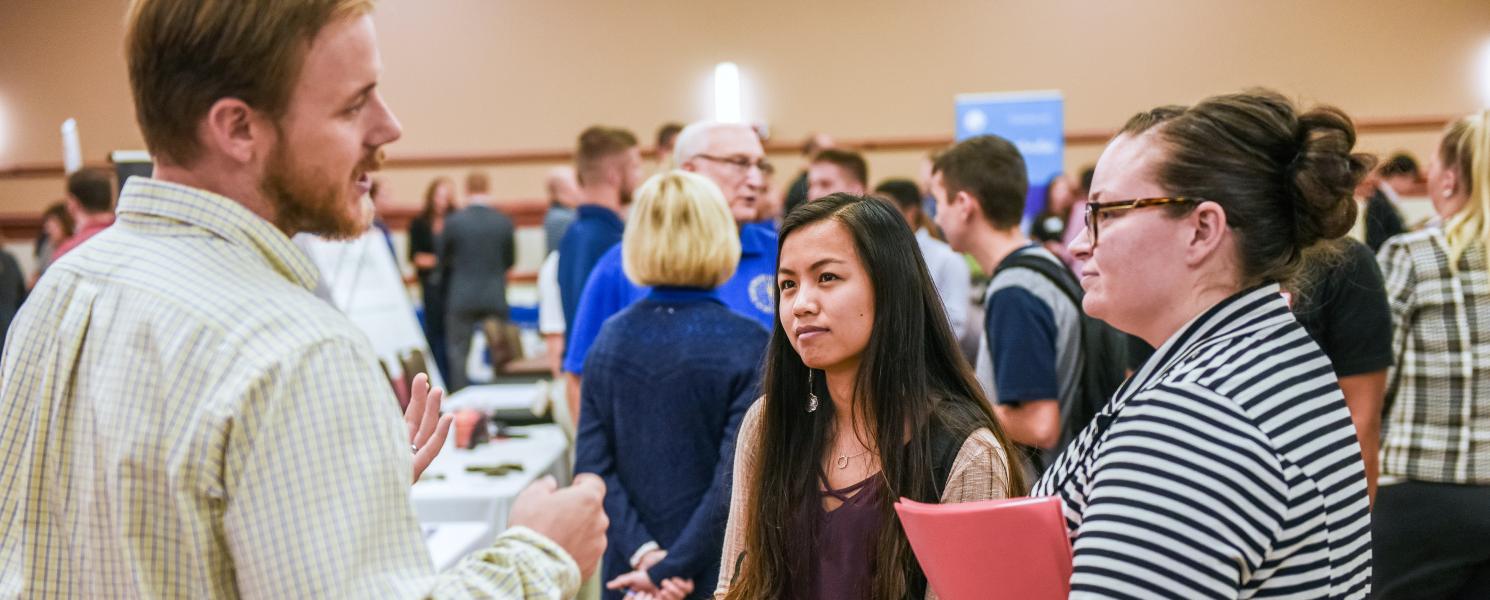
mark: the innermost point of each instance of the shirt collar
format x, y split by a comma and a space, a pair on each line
144, 200
682, 294
601, 213
97, 222
757, 239
1247, 311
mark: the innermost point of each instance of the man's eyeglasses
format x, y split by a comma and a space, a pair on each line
1095, 209
742, 163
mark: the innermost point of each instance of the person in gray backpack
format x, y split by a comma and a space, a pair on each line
1045, 365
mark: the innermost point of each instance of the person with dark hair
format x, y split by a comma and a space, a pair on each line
1050, 224
867, 400
1378, 198
1342, 302
1400, 172
949, 270
90, 201
608, 165
477, 248
663, 146
666, 384
835, 171
1227, 466
1431, 529
12, 292
426, 231
56, 229
1029, 360
796, 193
380, 194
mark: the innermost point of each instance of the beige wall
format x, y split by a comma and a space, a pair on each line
493, 75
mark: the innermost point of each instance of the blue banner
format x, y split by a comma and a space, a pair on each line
1033, 121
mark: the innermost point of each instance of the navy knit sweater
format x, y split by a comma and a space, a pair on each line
665, 387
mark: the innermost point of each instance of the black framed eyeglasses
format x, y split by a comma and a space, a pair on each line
1095, 209
742, 163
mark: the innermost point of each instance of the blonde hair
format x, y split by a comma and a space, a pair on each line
1466, 150
185, 55
680, 233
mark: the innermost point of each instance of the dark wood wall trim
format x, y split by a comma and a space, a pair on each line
1074, 137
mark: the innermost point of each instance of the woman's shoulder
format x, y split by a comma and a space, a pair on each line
982, 443
750, 426
1417, 243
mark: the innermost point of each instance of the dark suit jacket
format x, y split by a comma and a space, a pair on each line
476, 251
1382, 220
12, 291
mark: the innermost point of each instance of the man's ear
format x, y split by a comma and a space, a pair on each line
966, 205
1209, 232
235, 130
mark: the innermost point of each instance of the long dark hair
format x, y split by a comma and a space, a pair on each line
911, 378
429, 198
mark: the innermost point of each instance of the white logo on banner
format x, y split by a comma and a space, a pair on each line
974, 121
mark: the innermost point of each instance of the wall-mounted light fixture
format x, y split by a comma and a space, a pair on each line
727, 93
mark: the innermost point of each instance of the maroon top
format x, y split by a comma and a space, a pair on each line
844, 548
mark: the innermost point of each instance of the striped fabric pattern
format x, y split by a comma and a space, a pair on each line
1437, 422
1227, 467
181, 418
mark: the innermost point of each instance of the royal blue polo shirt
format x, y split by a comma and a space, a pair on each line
595, 230
751, 292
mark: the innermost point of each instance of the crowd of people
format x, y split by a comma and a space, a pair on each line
1239, 368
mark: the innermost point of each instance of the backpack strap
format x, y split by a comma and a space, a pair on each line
1056, 273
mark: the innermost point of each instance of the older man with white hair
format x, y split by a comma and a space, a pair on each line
731, 156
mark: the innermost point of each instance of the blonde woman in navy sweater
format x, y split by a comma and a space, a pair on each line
667, 383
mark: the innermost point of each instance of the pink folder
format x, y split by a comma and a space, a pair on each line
1015, 548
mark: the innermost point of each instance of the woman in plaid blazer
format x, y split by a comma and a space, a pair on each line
1432, 526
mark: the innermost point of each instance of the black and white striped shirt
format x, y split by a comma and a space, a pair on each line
1227, 467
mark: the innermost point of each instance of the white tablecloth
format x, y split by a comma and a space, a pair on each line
496, 397
473, 498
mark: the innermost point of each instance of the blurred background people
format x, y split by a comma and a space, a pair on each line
426, 231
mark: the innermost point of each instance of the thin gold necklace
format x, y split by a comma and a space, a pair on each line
842, 460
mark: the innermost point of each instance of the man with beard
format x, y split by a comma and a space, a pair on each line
179, 415
732, 157
476, 251
609, 166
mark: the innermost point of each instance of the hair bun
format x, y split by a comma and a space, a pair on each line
1323, 175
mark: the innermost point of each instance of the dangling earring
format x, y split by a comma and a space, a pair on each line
811, 395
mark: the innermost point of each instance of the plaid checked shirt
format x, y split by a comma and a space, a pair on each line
1437, 423
181, 418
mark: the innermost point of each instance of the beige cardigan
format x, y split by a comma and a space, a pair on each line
980, 472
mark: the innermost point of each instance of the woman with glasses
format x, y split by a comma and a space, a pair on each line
1432, 528
867, 400
1227, 466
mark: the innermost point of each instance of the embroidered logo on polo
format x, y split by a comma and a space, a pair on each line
761, 293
